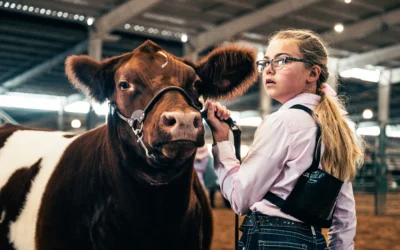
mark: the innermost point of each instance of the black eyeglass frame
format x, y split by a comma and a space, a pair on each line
263, 62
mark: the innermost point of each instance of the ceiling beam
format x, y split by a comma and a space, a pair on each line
237, 4
395, 75
373, 57
261, 16
43, 67
26, 41
6, 118
335, 13
368, 6
122, 14
311, 20
363, 28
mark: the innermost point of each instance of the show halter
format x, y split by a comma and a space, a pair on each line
136, 120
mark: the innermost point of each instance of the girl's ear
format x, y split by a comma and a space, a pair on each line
313, 76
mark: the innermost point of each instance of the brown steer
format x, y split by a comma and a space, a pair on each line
129, 184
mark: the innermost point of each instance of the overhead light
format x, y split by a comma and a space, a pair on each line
78, 107
362, 74
75, 123
83, 107
30, 101
393, 131
339, 27
372, 131
367, 114
127, 26
90, 21
184, 38
100, 109
48, 103
347, 1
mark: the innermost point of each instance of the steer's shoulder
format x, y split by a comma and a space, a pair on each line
8, 130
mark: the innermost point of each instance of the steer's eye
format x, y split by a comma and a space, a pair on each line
197, 84
123, 85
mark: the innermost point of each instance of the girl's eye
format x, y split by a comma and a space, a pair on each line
123, 85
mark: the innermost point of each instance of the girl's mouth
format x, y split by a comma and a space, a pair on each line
269, 81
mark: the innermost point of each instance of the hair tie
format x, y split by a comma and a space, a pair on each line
328, 90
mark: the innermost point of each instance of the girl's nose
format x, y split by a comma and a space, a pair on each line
269, 70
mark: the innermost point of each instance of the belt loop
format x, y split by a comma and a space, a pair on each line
255, 222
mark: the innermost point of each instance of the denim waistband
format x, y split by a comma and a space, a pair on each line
263, 220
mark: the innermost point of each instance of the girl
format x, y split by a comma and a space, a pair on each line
295, 69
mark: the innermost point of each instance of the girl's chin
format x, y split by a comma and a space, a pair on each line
274, 95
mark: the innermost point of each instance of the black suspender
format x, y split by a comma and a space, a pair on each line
278, 201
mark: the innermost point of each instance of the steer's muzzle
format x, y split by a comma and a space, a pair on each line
182, 126
185, 132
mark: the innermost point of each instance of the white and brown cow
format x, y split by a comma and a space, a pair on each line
129, 184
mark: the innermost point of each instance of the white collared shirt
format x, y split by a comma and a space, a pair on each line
281, 151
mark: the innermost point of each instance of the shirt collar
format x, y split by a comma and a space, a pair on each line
303, 98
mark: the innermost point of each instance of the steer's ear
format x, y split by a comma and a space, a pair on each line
96, 79
227, 72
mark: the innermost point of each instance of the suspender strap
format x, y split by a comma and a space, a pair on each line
278, 201
317, 148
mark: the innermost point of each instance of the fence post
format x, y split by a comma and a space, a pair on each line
383, 119
381, 172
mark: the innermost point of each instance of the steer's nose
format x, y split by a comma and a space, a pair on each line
182, 126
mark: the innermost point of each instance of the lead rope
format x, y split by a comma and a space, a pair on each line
236, 131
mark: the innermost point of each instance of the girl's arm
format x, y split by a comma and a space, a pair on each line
243, 185
343, 230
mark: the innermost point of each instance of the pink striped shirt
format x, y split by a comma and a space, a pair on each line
281, 151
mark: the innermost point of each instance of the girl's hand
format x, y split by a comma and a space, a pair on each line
216, 113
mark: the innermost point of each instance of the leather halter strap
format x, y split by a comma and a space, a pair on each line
138, 116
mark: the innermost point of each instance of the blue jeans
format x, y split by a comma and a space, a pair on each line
264, 232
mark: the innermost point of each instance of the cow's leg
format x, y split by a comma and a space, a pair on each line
207, 221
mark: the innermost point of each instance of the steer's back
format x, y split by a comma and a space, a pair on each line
27, 160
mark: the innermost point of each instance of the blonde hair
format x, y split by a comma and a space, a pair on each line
344, 151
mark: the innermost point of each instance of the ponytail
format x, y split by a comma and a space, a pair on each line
343, 152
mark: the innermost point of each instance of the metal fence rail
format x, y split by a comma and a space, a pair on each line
377, 185
4, 118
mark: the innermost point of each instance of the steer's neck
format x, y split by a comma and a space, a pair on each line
131, 165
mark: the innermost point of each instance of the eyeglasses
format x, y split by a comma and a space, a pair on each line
278, 63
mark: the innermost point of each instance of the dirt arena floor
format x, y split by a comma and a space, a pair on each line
373, 232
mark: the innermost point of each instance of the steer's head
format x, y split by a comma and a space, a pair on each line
172, 126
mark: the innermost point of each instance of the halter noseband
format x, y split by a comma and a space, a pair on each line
138, 116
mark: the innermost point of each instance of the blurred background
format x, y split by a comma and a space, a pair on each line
363, 38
